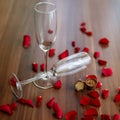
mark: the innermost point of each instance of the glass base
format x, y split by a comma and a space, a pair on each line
45, 82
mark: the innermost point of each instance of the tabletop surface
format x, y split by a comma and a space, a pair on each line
102, 18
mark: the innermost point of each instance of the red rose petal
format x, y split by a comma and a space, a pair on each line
38, 101
91, 112
105, 93
50, 31
117, 98
63, 54
83, 24
42, 67
96, 54
104, 41
6, 108
35, 67
51, 52
91, 77
83, 29
26, 41
76, 49
57, 110
94, 94
88, 118
105, 117
13, 106
86, 50
85, 100
13, 81
102, 62
99, 85
107, 72
95, 102
71, 115
50, 103
118, 89
116, 117
26, 102
58, 84
89, 33
74, 43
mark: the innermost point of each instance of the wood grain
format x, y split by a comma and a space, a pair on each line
16, 20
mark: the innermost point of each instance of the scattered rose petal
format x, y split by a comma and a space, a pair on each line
26, 41
51, 52
90, 117
7, 109
58, 84
105, 117
118, 89
107, 72
63, 54
83, 29
116, 117
86, 50
99, 85
50, 31
95, 102
96, 54
71, 115
50, 103
26, 102
35, 67
38, 101
74, 43
13, 81
105, 93
117, 98
13, 106
91, 77
42, 67
89, 33
91, 111
83, 24
85, 100
102, 62
76, 49
94, 94
104, 41
57, 110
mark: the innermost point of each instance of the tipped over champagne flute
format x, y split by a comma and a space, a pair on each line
45, 18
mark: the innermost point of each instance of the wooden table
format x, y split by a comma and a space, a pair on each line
16, 20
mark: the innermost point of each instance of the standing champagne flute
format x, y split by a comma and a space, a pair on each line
45, 18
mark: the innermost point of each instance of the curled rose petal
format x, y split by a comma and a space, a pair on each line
83, 29
117, 98
86, 50
85, 100
105, 117
104, 41
102, 62
76, 49
50, 31
95, 102
7, 109
63, 54
89, 33
42, 67
58, 84
38, 101
94, 94
57, 110
26, 102
107, 72
91, 77
99, 85
91, 111
26, 41
13, 106
71, 115
50, 102
83, 24
51, 52
13, 81
105, 93
35, 67
73, 43
96, 54
116, 117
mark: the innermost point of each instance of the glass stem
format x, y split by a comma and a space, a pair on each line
46, 61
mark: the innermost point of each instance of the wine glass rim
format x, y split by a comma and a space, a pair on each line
43, 12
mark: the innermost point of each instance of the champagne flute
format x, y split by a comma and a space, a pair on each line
45, 18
